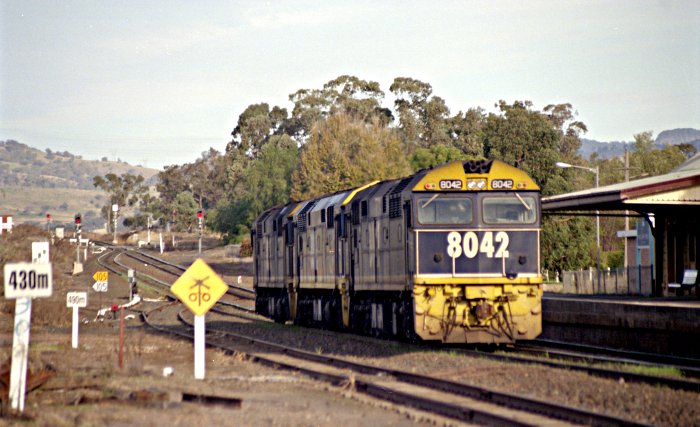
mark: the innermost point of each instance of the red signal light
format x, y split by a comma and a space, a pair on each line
200, 214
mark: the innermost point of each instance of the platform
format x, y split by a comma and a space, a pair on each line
657, 325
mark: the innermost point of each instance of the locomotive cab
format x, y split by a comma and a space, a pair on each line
477, 276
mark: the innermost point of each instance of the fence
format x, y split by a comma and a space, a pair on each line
620, 281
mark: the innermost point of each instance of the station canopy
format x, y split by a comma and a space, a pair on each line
647, 195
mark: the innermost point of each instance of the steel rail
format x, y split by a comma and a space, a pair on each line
682, 363
246, 291
616, 374
674, 383
479, 393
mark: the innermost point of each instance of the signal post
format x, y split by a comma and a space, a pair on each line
77, 266
200, 217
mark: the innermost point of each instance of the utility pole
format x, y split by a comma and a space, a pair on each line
115, 211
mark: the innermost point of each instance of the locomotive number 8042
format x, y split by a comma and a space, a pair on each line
449, 254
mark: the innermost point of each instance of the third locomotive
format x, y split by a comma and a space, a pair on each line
449, 254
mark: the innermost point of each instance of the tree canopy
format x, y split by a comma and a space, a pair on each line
340, 135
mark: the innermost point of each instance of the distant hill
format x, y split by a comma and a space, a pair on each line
607, 150
34, 183
23, 165
679, 136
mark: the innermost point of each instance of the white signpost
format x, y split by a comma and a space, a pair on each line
24, 281
76, 300
199, 288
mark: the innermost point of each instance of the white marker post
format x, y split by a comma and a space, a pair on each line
199, 361
76, 300
24, 281
199, 288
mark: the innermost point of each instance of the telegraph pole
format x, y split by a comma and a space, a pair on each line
115, 211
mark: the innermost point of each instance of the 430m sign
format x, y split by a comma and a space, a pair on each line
28, 280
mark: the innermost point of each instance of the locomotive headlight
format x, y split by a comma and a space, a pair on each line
476, 183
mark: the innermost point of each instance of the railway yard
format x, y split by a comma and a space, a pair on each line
262, 373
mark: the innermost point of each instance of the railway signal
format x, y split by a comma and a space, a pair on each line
200, 216
78, 220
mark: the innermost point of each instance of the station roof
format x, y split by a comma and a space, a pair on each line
678, 187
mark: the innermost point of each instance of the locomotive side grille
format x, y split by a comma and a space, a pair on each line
259, 226
395, 206
395, 198
302, 219
301, 222
401, 185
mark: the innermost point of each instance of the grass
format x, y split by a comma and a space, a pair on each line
661, 371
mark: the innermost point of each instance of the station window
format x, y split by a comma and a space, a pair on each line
447, 211
510, 210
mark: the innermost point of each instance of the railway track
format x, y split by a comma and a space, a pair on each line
688, 366
111, 261
624, 369
604, 366
423, 392
444, 398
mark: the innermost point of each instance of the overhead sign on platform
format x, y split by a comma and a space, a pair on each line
199, 288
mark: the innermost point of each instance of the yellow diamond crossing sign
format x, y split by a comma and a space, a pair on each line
199, 288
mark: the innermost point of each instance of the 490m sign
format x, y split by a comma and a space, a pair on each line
28, 280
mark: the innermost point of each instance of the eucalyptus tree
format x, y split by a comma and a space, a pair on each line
343, 152
122, 190
349, 95
265, 183
651, 160
422, 117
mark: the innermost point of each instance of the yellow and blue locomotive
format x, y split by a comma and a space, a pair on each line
448, 254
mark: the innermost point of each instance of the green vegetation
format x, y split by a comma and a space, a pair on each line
661, 371
340, 136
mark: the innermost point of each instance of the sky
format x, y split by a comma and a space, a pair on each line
159, 82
